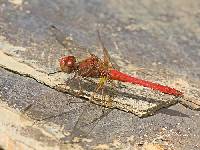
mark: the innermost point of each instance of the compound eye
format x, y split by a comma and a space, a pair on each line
70, 63
67, 63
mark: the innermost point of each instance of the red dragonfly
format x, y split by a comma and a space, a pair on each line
95, 67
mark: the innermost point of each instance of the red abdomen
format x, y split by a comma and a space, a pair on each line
117, 75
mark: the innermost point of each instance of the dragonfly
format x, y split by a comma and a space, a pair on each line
94, 67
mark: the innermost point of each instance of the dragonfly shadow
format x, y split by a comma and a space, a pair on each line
142, 98
172, 112
87, 120
89, 86
117, 92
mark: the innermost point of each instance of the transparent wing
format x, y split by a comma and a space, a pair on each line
106, 56
68, 42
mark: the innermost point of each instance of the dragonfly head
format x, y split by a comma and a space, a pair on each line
68, 64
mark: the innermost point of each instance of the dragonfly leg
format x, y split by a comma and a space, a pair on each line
80, 91
107, 101
89, 80
98, 87
79, 81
